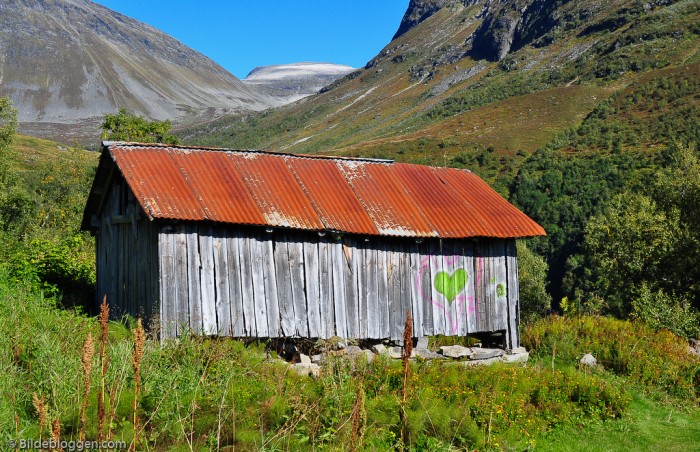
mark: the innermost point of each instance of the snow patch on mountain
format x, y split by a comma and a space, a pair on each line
288, 83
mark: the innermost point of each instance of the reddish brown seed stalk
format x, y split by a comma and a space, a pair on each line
86, 361
407, 351
104, 365
40, 407
139, 342
56, 434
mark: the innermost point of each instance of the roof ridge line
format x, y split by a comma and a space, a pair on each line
254, 151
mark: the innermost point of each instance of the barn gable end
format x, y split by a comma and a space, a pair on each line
252, 244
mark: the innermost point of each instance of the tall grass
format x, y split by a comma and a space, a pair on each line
213, 394
653, 359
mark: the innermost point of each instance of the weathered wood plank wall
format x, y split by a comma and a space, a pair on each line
127, 257
248, 282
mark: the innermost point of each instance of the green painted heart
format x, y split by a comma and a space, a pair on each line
451, 285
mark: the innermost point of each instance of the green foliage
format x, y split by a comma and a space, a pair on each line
126, 126
561, 192
40, 353
8, 122
486, 92
660, 109
644, 249
43, 196
192, 393
652, 359
8, 128
660, 310
631, 242
649, 427
60, 268
532, 274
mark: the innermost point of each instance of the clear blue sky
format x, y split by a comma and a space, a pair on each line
243, 34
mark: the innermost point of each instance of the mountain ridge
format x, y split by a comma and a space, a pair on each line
441, 83
68, 62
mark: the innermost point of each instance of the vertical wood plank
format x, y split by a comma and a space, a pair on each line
513, 296
404, 276
256, 257
284, 287
339, 263
397, 318
128, 263
270, 283
172, 290
425, 288
208, 282
351, 256
183, 309
221, 277
470, 300
233, 252
360, 270
414, 281
383, 290
438, 299
247, 295
462, 301
480, 287
490, 286
451, 263
296, 270
370, 273
123, 269
168, 319
501, 284
312, 287
193, 278
325, 264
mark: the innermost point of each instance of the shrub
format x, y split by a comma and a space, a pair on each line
532, 274
652, 359
660, 310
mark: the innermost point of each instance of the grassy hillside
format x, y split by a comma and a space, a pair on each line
191, 396
565, 108
428, 85
44, 189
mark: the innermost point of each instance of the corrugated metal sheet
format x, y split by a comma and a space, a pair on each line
280, 199
227, 200
501, 218
360, 196
336, 203
157, 182
449, 215
385, 200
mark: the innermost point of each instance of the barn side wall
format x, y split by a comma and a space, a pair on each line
127, 259
249, 282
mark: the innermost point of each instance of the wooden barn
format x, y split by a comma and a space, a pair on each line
259, 244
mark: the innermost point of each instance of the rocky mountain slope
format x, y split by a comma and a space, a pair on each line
67, 62
462, 76
287, 83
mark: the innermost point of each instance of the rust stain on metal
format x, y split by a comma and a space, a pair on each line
386, 200
501, 218
359, 196
332, 198
279, 197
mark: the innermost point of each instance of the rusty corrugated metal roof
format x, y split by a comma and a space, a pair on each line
360, 196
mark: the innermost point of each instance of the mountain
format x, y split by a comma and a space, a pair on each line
461, 77
65, 63
287, 83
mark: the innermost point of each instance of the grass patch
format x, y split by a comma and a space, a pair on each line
651, 359
648, 426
